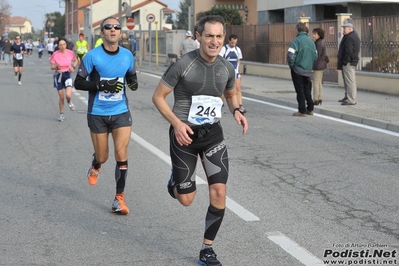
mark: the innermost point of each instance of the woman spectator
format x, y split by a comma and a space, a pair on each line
319, 66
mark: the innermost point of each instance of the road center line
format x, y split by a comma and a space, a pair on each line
295, 250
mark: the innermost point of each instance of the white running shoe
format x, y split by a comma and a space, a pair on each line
61, 118
19, 83
71, 106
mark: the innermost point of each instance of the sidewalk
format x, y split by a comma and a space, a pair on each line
372, 109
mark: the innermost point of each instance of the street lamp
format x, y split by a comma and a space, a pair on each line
44, 14
42, 31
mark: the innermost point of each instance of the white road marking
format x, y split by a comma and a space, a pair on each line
328, 117
295, 250
231, 204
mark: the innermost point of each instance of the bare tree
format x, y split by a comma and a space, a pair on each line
5, 13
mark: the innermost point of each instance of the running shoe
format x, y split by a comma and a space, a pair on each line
71, 106
207, 257
61, 118
19, 83
92, 175
242, 109
171, 187
119, 205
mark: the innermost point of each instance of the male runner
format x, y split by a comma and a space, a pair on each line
198, 81
18, 50
109, 67
233, 54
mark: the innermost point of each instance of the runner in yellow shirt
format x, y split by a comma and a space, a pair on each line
81, 47
98, 42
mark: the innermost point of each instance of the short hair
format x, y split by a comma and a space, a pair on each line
300, 26
320, 32
107, 18
233, 36
211, 19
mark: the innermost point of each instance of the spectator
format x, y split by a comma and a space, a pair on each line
124, 42
133, 41
7, 52
300, 57
1, 48
319, 65
188, 44
348, 57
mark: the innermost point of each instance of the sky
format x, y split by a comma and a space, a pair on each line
35, 10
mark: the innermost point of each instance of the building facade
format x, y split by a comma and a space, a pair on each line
79, 17
19, 24
247, 8
271, 11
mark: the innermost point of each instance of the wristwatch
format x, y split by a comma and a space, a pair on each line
237, 109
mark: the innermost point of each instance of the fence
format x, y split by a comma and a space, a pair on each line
379, 38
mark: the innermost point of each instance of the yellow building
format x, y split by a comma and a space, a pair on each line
19, 24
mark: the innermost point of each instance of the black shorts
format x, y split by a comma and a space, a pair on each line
80, 56
50, 52
103, 124
18, 63
208, 143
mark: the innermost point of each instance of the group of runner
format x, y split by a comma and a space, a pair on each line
198, 80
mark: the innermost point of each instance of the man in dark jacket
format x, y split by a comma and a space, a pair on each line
124, 42
300, 57
348, 57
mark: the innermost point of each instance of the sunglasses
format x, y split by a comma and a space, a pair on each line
110, 26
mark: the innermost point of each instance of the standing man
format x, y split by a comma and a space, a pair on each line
188, 44
348, 57
198, 81
108, 68
300, 57
7, 52
233, 54
124, 42
81, 47
18, 50
1, 48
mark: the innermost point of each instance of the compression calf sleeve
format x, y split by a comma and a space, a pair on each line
213, 220
120, 176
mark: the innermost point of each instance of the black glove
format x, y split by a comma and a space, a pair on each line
112, 85
131, 81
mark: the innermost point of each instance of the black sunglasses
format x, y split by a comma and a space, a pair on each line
110, 26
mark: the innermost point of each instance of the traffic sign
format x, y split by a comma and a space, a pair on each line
130, 23
150, 18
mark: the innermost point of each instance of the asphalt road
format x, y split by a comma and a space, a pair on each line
300, 191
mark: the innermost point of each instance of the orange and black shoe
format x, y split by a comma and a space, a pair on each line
119, 206
92, 175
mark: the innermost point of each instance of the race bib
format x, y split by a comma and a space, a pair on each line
68, 83
205, 109
108, 96
18, 56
